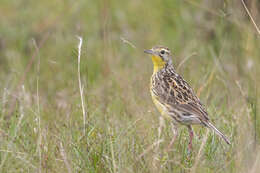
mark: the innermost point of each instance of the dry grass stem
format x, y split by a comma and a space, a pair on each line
197, 159
206, 83
256, 165
150, 148
251, 18
161, 125
127, 42
175, 135
65, 158
39, 142
112, 152
81, 87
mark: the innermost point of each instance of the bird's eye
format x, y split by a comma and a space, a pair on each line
162, 52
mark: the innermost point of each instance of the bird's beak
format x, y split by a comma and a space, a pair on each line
149, 51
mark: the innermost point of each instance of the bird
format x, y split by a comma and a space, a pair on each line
174, 97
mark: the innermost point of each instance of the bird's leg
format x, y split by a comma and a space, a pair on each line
175, 134
191, 137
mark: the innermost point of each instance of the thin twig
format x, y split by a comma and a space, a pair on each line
127, 42
251, 18
80, 85
241, 90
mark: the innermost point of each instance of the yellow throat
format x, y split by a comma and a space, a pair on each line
158, 63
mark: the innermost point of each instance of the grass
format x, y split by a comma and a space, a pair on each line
42, 129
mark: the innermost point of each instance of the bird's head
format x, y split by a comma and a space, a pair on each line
161, 56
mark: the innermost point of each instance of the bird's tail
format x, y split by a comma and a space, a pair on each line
218, 132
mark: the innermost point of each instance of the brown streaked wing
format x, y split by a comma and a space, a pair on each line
185, 99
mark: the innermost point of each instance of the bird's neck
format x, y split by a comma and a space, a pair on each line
158, 63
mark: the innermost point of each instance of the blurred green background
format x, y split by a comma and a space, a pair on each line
215, 47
